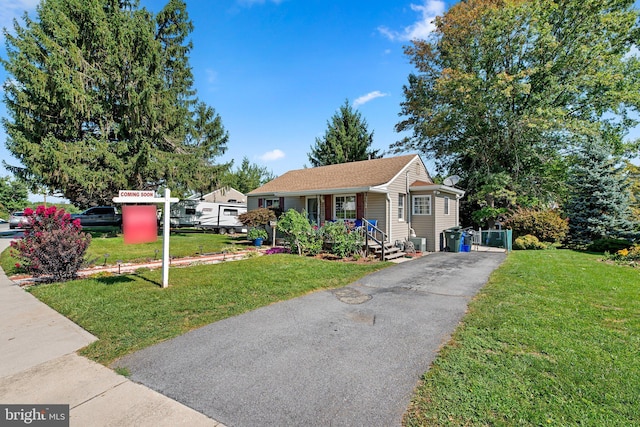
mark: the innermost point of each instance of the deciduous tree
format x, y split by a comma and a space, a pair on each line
247, 177
503, 89
13, 194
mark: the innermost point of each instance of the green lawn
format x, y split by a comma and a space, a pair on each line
181, 245
553, 339
130, 312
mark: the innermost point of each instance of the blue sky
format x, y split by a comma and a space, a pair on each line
277, 70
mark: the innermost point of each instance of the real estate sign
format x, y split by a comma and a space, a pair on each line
142, 197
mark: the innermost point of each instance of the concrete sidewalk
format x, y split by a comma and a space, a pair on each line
39, 365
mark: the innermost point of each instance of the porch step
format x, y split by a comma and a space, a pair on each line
390, 251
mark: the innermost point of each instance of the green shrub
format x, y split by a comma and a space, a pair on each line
625, 255
608, 245
528, 242
301, 236
342, 241
546, 225
257, 233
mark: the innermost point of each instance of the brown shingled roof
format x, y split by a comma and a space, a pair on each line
366, 173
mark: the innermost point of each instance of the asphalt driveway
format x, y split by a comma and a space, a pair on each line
347, 357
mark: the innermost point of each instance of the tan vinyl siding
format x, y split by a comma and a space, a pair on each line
444, 221
414, 171
252, 203
423, 225
375, 208
296, 203
399, 229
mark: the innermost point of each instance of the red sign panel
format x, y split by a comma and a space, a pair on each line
139, 223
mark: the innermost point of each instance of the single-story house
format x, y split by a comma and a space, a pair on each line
222, 195
397, 192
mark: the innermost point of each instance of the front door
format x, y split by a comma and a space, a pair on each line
312, 210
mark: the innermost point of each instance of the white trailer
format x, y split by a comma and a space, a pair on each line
219, 217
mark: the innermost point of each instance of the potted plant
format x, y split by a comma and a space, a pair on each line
257, 235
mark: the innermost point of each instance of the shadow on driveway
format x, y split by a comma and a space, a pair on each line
346, 357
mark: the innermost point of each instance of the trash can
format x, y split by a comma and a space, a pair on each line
465, 242
453, 237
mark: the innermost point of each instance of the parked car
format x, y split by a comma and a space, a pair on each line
18, 220
99, 216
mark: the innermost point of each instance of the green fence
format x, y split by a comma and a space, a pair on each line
493, 238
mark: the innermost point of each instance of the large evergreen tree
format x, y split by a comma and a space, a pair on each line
599, 196
347, 139
100, 98
502, 89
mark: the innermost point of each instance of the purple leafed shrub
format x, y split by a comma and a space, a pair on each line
54, 246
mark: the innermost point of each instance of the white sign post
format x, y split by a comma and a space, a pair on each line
136, 196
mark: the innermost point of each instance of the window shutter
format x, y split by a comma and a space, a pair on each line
328, 209
359, 205
282, 204
260, 203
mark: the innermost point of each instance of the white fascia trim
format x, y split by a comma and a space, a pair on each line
403, 170
438, 187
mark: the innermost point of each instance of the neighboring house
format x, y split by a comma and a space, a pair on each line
222, 195
396, 191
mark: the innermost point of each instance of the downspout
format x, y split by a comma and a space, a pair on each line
406, 204
389, 217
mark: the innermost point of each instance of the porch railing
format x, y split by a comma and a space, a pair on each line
371, 232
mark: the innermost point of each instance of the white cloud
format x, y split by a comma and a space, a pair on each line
272, 155
423, 27
368, 97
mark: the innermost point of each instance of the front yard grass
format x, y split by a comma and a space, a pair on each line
553, 339
182, 244
130, 312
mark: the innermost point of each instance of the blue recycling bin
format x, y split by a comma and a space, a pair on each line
465, 242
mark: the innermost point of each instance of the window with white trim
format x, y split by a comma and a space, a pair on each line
401, 201
446, 206
272, 203
421, 205
345, 208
